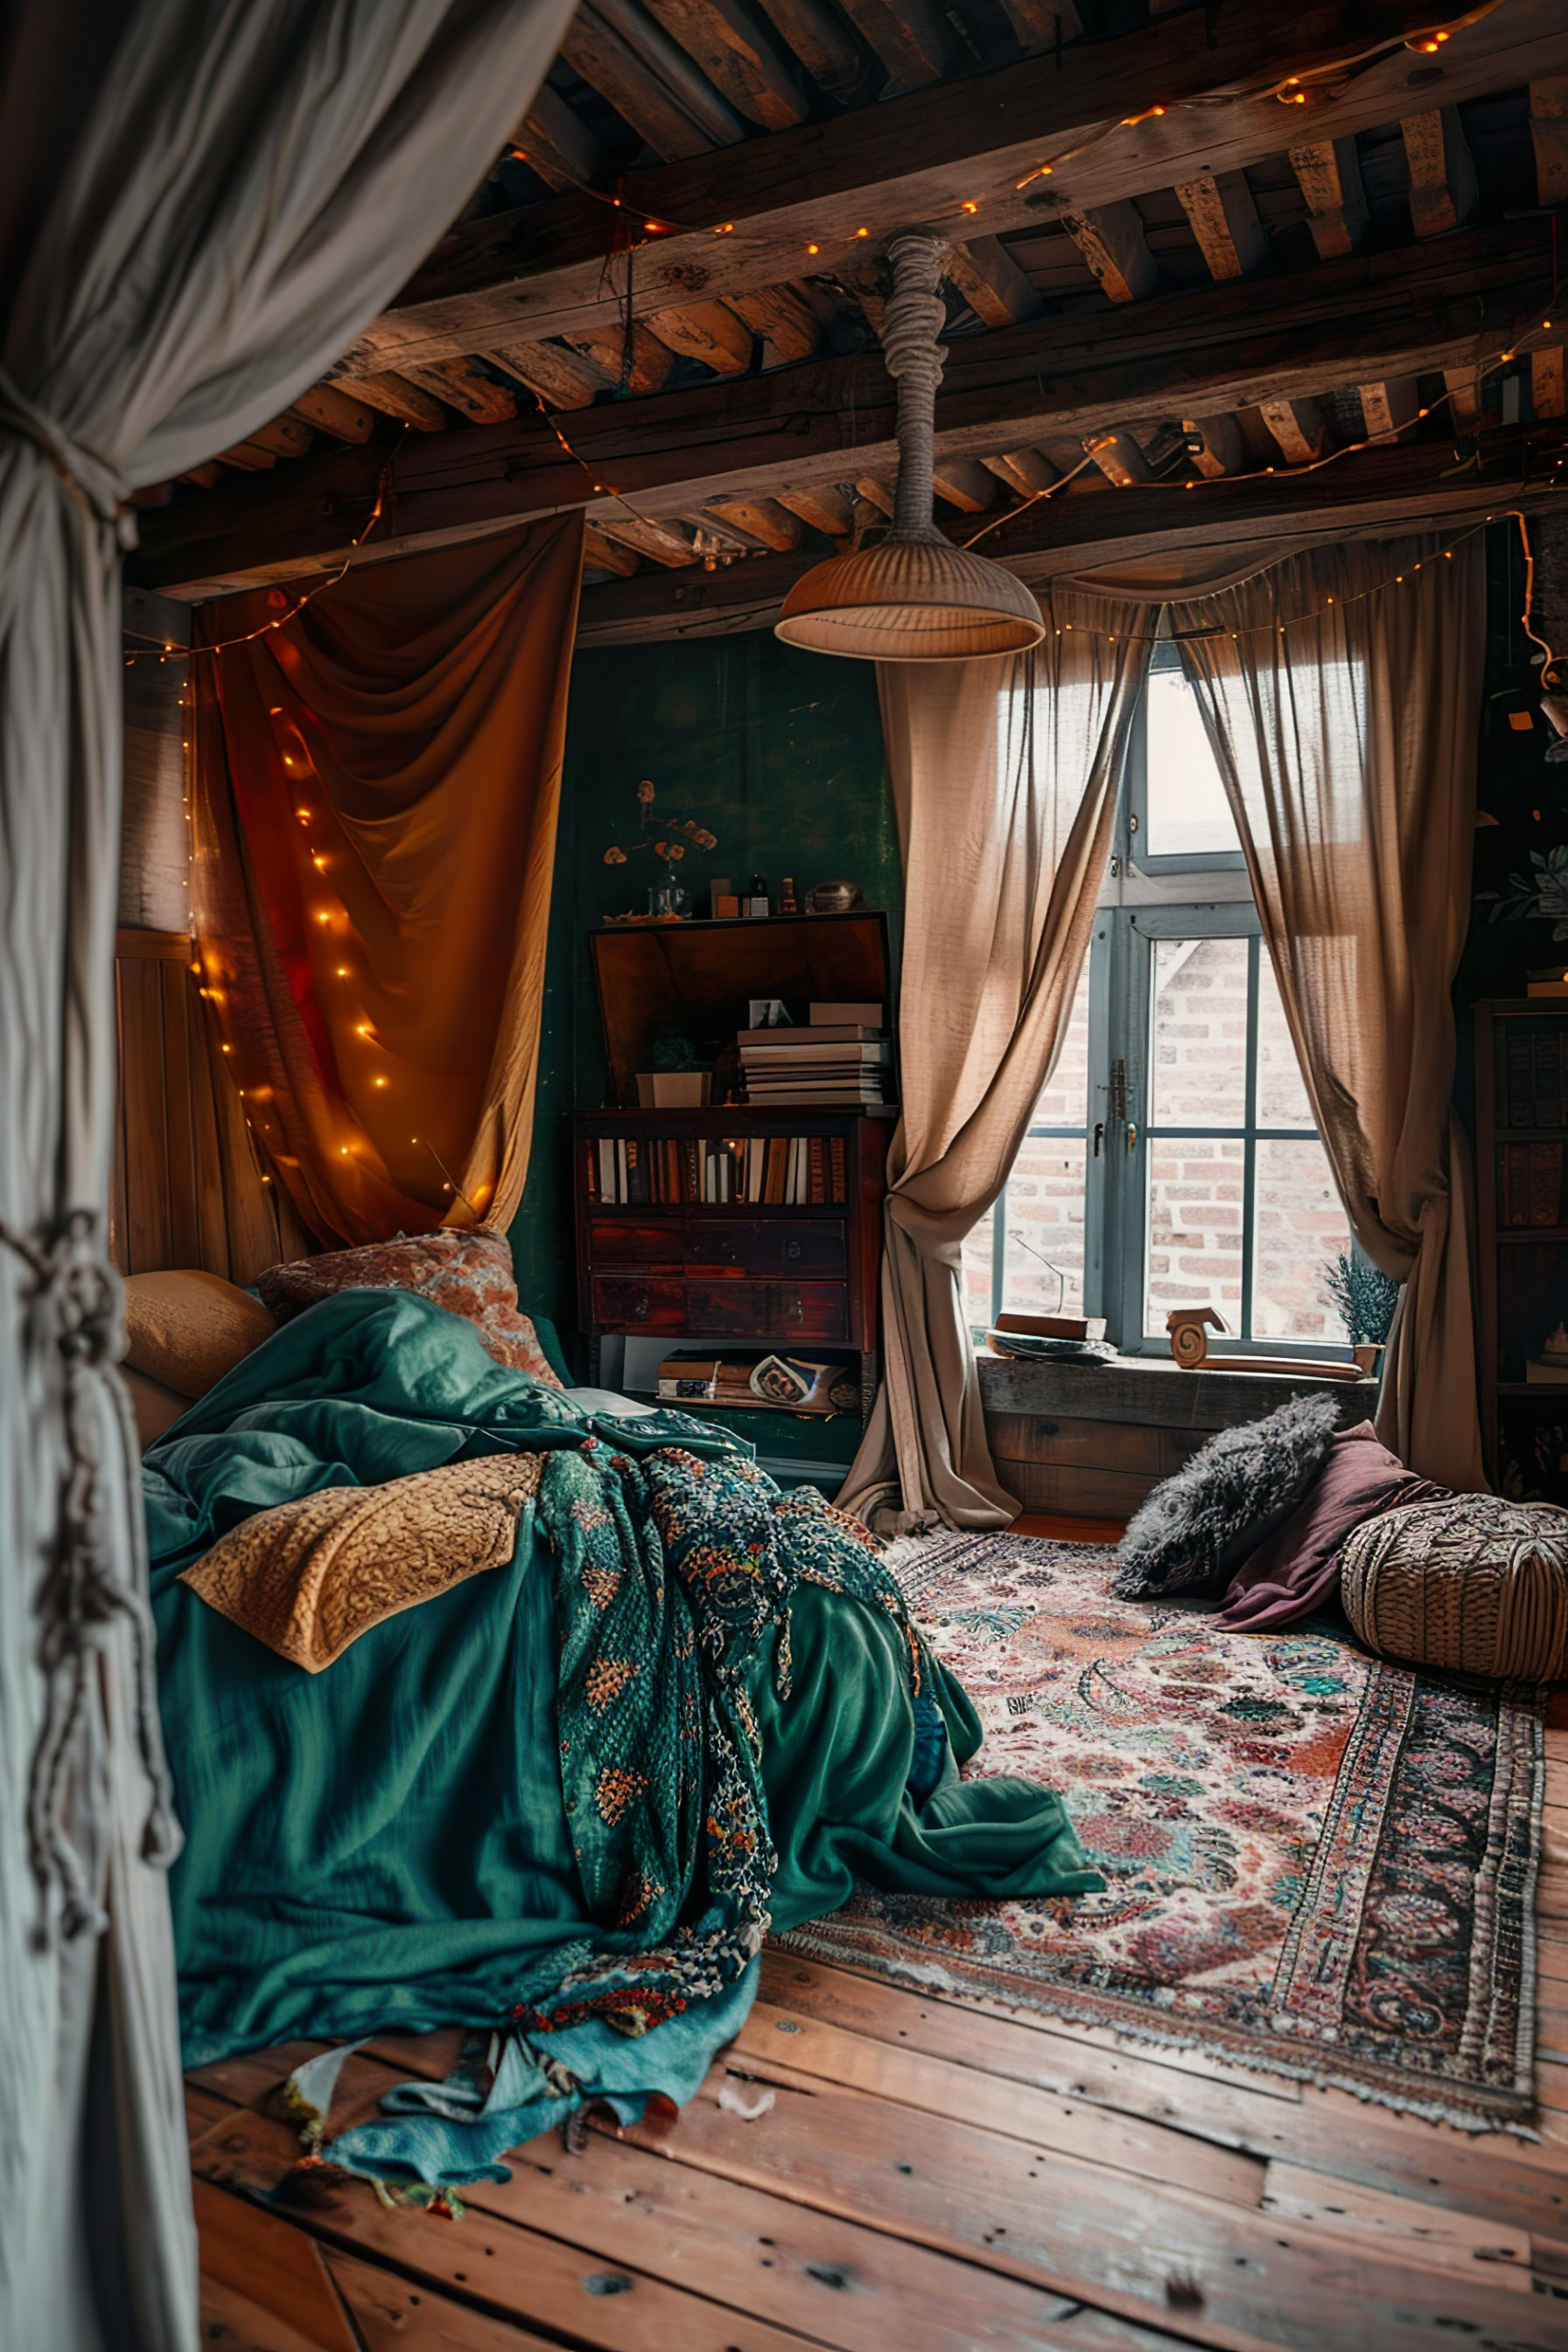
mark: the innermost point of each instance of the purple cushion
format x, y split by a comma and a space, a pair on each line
1296, 1568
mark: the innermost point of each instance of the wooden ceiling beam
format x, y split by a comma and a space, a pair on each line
562, 378
1297, 426
1549, 133
1368, 492
1390, 407
556, 143
992, 282
394, 396
1044, 24
1111, 242
911, 36
1215, 445
1329, 175
337, 413
818, 37
826, 510
538, 271
783, 317
1206, 352
468, 390
1224, 218
648, 79
1442, 176
710, 332
739, 56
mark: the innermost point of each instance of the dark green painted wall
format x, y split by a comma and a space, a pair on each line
778, 752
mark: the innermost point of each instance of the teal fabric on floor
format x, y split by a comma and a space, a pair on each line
385, 1847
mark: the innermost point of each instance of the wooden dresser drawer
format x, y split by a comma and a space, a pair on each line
764, 1250
629, 1302
809, 1311
636, 1245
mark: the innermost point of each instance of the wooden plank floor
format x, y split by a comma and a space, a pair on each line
872, 2170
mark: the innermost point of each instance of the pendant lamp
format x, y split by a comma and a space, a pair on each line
915, 597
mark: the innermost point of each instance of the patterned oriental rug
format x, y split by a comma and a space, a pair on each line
1318, 1864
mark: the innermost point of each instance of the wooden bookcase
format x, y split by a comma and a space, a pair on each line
1521, 1103
737, 1272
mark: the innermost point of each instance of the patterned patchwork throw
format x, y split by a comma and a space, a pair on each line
1316, 1863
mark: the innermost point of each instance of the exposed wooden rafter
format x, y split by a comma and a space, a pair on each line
1329, 176
923, 156
1364, 320
1367, 492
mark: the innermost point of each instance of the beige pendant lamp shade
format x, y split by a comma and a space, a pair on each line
916, 597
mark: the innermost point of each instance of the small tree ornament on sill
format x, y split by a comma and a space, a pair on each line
668, 899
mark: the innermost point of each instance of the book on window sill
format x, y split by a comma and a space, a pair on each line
1053, 1326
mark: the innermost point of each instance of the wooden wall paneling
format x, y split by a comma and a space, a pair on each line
178, 1009
211, 1209
144, 1111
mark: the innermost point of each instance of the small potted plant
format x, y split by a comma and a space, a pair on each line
1364, 1298
677, 1080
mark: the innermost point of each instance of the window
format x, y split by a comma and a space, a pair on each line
1172, 1161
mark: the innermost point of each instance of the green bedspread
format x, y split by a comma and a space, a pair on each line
385, 1846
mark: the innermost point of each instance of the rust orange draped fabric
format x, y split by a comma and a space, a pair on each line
375, 788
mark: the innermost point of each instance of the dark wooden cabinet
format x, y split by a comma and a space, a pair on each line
783, 1274
1521, 1120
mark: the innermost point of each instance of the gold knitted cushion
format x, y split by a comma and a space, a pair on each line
1473, 1583
308, 1577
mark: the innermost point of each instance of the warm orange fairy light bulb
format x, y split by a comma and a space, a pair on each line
968, 206
813, 249
321, 915
343, 971
380, 1081
228, 1049
320, 862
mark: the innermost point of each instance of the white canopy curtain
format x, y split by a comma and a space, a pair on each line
1341, 688
201, 203
1004, 776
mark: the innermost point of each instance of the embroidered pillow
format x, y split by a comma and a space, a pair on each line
310, 1576
468, 1274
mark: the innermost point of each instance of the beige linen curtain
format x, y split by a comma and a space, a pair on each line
1004, 776
201, 203
1347, 743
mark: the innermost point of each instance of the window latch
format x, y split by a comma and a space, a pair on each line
1098, 1138
1119, 1088
1132, 1136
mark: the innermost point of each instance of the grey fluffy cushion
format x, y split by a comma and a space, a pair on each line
1192, 1530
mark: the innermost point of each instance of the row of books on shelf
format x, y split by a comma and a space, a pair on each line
841, 1058
1532, 1077
799, 1170
1530, 1184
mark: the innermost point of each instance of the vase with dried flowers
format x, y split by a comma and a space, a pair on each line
669, 839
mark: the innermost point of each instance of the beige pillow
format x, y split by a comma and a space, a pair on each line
308, 1577
187, 1330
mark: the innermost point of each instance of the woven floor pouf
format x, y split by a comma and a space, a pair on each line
1473, 1583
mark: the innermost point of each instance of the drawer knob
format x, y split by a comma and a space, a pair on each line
792, 1248
640, 1304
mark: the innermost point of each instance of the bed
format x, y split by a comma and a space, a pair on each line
561, 1801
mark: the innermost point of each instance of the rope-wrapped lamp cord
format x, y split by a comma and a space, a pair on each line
911, 325
74, 1308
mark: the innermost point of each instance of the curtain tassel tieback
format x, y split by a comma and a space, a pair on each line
97, 487
76, 1306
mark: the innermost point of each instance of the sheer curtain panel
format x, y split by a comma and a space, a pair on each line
1342, 688
202, 202
1004, 776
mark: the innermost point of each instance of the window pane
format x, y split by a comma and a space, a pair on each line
1065, 1102
1195, 1204
1187, 813
977, 1272
1281, 1097
1198, 1055
1299, 1227
1045, 1227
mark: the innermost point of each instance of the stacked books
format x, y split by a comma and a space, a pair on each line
1051, 1339
835, 1064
